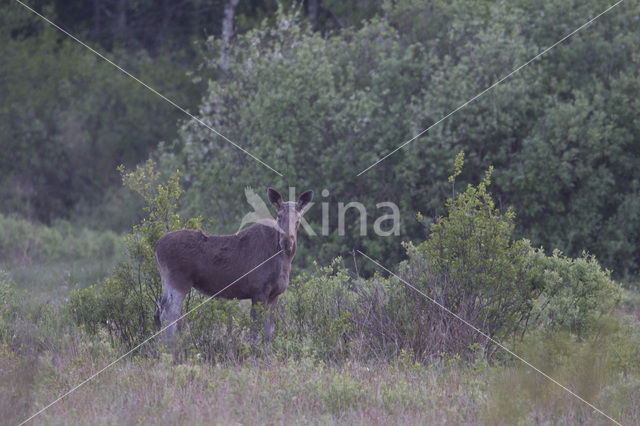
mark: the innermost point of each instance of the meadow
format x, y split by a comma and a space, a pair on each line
44, 354
347, 350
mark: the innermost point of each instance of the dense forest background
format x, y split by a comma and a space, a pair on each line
319, 90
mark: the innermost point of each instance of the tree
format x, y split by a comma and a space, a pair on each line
321, 109
68, 118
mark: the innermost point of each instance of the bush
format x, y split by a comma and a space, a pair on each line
576, 292
117, 304
26, 242
621, 399
315, 314
469, 264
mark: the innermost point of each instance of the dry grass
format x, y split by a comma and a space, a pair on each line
44, 355
157, 391
289, 391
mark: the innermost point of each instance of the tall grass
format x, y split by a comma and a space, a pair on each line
25, 243
44, 353
39, 265
47, 261
272, 389
266, 391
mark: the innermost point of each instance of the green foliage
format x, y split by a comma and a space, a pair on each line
474, 271
68, 118
620, 399
218, 331
471, 265
161, 217
457, 169
321, 109
7, 301
315, 315
115, 304
25, 242
342, 393
577, 292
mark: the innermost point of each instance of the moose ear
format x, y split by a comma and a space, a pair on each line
305, 198
274, 197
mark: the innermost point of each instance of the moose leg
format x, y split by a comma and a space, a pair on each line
269, 323
254, 318
170, 311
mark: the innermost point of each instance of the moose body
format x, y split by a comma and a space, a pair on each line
252, 264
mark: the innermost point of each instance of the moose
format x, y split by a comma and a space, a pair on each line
210, 263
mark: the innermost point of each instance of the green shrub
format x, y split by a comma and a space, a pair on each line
118, 304
342, 393
469, 264
17, 240
621, 400
217, 331
25, 242
315, 314
576, 292
7, 300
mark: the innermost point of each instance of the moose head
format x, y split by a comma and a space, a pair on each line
288, 219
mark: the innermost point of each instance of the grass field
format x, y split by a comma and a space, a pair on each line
44, 353
47, 355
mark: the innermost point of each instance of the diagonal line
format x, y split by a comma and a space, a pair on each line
489, 88
477, 330
127, 73
111, 364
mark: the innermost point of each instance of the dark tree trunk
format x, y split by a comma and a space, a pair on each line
97, 19
314, 10
227, 30
166, 11
121, 19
